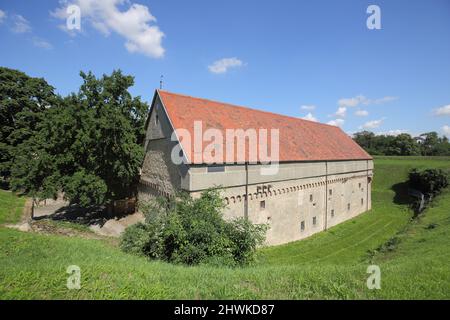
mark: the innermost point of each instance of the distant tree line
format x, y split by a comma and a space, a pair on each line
426, 144
87, 145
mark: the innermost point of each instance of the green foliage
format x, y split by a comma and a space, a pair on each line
428, 181
89, 145
136, 239
23, 100
427, 144
403, 145
85, 188
192, 231
246, 237
430, 141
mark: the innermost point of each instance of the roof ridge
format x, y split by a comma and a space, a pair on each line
248, 108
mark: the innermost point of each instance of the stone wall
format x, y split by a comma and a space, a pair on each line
284, 205
159, 175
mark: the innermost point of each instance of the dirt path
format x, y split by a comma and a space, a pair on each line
43, 223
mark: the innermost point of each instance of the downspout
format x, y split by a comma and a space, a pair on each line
326, 195
367, 186
246, 192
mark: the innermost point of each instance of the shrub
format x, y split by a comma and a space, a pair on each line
193, 231
428, 181
135, 239
245, 237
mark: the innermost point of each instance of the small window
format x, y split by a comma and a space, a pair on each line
348, 206
359, 185
310, 197
262, 204
330, 192
302, 225
362, 201
314, 221
332, 213
216, 168
156, 119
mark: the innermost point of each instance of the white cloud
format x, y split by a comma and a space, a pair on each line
336, 122
372, 124
20, 24
346, 103
222, 65
360, 99
135, 25
42, 43
361, 113
446, 131
310, 117
395, 132
308, 107
443, 111
351, 102
382, 100
341, 112
2, 16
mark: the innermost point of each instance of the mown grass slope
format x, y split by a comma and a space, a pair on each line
329, 265
11, 207
348, 242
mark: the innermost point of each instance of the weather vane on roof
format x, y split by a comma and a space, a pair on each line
161, 82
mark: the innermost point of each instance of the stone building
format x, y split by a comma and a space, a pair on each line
322, 176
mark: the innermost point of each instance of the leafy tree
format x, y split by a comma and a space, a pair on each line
89, 146
403, 145
433, 145
365, 139
430, 143
443, 147
23, 100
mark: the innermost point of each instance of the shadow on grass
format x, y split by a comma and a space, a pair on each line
401, 193
96, 215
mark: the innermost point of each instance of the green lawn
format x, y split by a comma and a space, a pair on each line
11, 207
328, 265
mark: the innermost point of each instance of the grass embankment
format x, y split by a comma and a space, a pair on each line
328, 265
11, 207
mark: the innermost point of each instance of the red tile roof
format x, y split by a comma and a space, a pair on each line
300, 140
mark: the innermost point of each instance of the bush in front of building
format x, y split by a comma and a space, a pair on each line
193, 231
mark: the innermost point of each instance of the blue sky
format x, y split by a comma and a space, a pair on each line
270, 55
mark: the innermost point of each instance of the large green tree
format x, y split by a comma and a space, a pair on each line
403, 145
89, 147
365, 139
23, 100
433, 145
